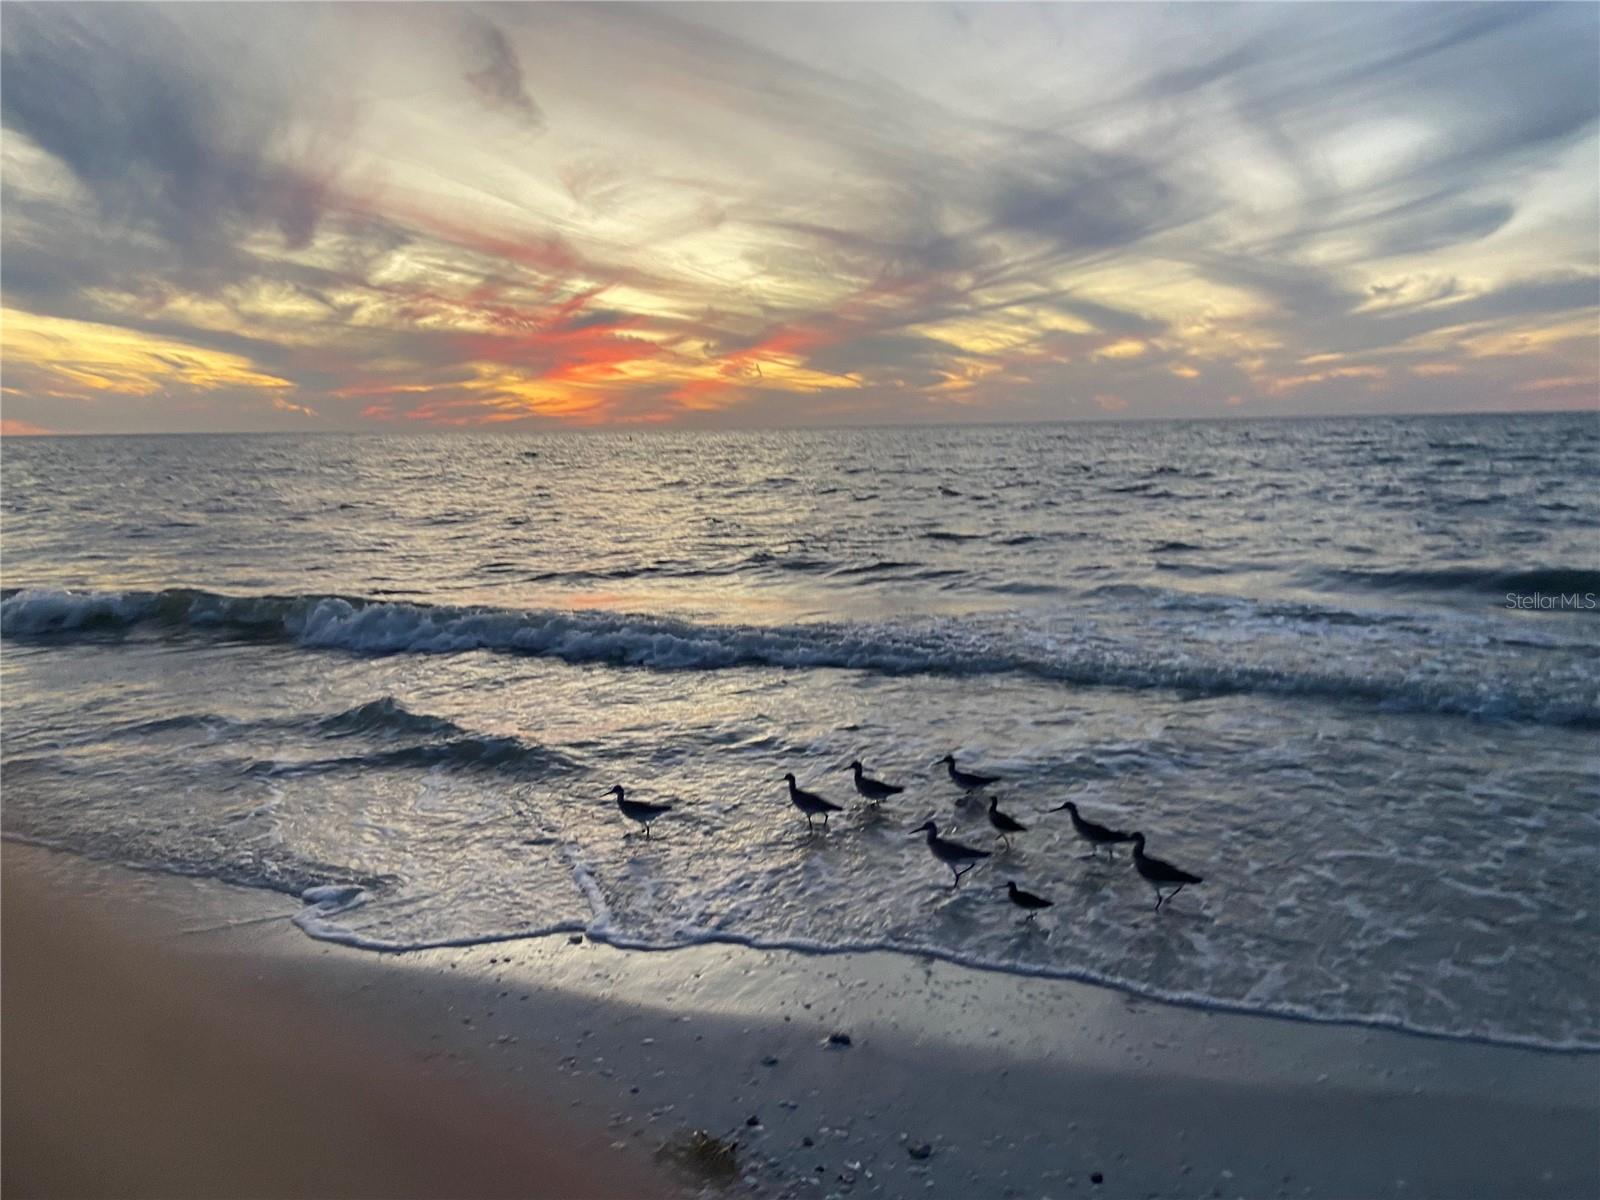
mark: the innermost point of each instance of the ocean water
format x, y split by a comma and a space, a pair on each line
1347, 670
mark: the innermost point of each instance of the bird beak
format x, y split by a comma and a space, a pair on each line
1059, 808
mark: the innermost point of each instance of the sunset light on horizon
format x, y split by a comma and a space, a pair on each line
523, 217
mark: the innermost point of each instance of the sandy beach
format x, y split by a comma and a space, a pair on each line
953, 1082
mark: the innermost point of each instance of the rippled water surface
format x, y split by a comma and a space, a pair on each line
1349, 671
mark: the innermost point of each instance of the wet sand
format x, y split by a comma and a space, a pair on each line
559, 1068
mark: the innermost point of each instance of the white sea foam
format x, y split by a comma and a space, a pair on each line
1264, 1000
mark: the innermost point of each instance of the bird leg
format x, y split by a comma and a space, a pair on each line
959, 874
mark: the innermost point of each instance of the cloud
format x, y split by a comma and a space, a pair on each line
493, 70
1516, 300
149, 125
1108, 317
1088, 200
1425, 226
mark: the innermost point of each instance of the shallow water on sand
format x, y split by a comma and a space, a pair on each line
1283, 650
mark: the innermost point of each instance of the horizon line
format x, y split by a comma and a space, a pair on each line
657, 428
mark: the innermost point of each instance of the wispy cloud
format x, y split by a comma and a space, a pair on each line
493, 69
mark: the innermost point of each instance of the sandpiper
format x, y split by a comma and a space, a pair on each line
1159, 874
1096, 835
1026, 901
638, 810
966, 780
950, 853
1005, 824
874, 790
810, 803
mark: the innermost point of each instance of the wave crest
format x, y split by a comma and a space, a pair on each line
950, 647
386, 715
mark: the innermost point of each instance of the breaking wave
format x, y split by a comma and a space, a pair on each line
950, 647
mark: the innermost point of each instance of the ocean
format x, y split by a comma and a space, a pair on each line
1347, 670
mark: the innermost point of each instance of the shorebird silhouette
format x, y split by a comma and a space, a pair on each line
638, 810
966, 780
810, 803
1026, 901
950, 853
1096, 835
1160, 874
874, 790
1007, 825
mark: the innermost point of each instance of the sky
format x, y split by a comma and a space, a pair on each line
538, 216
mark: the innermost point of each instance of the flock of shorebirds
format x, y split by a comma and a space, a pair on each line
961, 858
